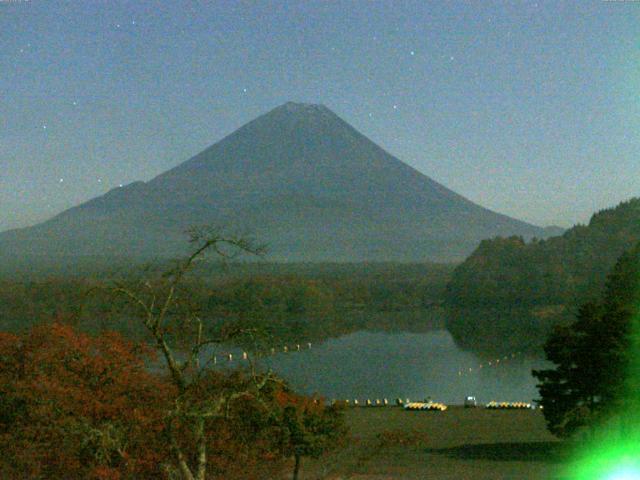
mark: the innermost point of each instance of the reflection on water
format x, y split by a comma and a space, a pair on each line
415, 365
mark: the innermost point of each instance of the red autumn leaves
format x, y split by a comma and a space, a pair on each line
78, 406
88, 407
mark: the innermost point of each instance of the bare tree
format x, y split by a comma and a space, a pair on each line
163, 307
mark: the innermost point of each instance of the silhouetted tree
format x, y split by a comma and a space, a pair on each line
594, 355
309, 427
179, 334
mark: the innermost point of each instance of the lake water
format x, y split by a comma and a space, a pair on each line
408, 365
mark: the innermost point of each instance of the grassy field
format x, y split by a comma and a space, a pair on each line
475, 444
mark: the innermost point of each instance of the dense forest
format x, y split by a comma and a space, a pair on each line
506, 296
509, 294
286, 302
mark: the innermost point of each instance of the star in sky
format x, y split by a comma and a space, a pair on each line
368, 60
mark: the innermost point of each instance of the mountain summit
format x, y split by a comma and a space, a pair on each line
300, 179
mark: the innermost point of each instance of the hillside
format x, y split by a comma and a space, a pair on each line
509, 293
300, 179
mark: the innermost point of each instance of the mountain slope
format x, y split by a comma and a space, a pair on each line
508, 295
300, 179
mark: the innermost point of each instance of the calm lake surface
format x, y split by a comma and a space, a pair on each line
409, 365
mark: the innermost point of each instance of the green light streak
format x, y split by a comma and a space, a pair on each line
608, 460
624, 473
614, 451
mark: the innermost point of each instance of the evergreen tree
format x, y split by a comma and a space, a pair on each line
593, 356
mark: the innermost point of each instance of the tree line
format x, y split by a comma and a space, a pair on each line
509, 294
74, 405
290, 303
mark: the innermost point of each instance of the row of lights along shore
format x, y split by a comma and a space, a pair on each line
229, 357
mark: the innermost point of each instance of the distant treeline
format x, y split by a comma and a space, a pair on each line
286, 302
509, 294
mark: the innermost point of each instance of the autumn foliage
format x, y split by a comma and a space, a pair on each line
75, 406
309, 428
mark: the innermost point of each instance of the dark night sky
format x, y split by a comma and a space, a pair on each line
529, 108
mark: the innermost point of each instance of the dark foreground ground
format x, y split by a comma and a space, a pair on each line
475, 444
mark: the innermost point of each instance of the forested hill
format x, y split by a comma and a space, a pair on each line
509, 294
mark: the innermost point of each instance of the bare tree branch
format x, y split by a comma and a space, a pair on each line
160, 307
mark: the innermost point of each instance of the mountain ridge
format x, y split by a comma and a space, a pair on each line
298, 177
